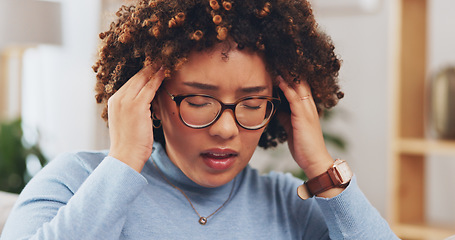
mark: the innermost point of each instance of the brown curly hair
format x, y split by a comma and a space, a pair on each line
164, 32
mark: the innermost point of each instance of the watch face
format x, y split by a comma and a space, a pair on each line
343, 171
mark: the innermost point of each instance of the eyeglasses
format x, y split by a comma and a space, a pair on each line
200, 110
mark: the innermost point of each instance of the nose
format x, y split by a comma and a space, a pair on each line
225, 127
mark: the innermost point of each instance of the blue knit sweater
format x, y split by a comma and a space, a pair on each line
89, 195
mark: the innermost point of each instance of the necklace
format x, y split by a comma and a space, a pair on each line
202, 220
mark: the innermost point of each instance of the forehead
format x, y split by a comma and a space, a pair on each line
225, 69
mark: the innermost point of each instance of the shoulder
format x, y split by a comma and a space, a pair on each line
68, 170
272, 178
83, 160
89, 159
278, 184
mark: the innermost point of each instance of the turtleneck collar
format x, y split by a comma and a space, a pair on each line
176, 176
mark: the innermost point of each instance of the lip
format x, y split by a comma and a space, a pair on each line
219, 158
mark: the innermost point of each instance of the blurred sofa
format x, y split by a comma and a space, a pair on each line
7, 201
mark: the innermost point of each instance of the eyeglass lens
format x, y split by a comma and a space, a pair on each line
200, 111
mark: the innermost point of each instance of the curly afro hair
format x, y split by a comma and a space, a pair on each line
164, 32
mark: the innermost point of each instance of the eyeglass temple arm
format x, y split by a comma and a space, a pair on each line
170, 95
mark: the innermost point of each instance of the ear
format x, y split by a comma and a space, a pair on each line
156, 106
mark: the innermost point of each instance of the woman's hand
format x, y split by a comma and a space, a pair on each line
303, 129
130, 123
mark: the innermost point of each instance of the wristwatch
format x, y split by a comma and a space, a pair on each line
337, 176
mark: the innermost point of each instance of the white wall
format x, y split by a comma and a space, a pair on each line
59, 82
362, 41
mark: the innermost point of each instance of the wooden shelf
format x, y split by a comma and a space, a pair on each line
407, 202
422, 231
417, 146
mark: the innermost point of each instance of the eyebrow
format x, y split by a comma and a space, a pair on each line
204, 86
201, 86
253, 89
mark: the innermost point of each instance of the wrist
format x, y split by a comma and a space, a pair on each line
328, 184
134, 160
319, 167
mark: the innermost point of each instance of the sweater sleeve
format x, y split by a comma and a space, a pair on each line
66, 200
351, 216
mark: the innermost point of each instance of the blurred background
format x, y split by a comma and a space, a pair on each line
395, 126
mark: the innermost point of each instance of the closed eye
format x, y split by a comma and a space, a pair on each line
251, 107
198, 105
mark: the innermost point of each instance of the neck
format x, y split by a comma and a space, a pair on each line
177, 177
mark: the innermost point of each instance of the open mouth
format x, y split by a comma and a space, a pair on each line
219, 159
219, 156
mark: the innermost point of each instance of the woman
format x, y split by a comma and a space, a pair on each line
191, 88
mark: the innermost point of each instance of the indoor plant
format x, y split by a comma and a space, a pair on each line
14, 151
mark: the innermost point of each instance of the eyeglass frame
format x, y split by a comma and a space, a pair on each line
180, 97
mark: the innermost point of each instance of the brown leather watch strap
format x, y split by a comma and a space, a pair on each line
339, 175
320, 184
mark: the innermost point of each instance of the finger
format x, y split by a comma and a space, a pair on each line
134, 85
298, 90
289, 92
303, 89
148, 92
296, 95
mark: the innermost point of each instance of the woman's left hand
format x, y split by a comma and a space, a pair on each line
303, 129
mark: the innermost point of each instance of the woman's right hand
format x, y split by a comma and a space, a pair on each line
130, 122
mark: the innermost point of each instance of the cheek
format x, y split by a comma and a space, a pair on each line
168, 110
171, 120
174, 129
251, 137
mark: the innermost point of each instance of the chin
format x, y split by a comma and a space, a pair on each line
214, 181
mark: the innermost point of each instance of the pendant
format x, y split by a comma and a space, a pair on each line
202, 220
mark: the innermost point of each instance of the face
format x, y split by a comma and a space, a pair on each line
214, 155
